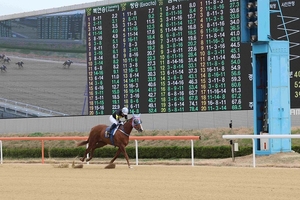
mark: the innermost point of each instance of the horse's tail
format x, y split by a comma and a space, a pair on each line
82, 143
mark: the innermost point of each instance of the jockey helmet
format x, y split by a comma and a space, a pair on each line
125, 111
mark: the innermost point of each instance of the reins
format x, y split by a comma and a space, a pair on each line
132, 125
124, 131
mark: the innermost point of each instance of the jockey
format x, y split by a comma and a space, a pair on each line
115, 118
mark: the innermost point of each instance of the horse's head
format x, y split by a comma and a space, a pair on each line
137, 122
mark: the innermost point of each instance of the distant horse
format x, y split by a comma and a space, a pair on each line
67, 63
20, 64
120, 139
2, 56
6, 60
3, 68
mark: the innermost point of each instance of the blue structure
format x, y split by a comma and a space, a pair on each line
271, 76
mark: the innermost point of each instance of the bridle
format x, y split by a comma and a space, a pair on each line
135, 124
136, 121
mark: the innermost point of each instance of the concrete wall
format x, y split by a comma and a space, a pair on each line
170, 121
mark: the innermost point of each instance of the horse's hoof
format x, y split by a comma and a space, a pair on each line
130, 167
76, 166
110, 166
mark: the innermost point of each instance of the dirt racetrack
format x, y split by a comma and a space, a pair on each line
44, 181
46, 84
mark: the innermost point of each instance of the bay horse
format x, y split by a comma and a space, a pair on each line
120, 139
6, 60
3, 68
67, 63
20, 64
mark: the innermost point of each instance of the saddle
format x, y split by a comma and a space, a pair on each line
106, 135
112, 134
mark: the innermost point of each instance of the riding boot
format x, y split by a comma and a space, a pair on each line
111, 128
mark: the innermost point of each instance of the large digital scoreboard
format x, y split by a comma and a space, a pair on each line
165, 56
5, 29
66, 27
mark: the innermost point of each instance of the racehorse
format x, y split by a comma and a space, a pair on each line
2, 56
68, 63
120, 139
20, 64
6, 60
3, 68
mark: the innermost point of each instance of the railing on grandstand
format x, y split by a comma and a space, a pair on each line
26, 110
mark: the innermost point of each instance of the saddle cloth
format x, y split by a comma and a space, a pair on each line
113, 131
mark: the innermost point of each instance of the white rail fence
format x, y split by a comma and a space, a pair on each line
253, 137
135, 138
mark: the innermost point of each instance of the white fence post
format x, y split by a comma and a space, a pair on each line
253, 151
192, 151
1, 152
87, 155
136, 153
253, 137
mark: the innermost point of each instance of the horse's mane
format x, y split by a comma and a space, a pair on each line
128, 120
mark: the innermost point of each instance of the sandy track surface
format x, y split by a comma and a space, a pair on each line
46, 84
279, 160
37, 181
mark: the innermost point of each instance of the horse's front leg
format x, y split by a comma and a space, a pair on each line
116, 156
122, 148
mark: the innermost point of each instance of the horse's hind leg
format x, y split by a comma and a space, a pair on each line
84, 157
88, 150
98, 145
90, 155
